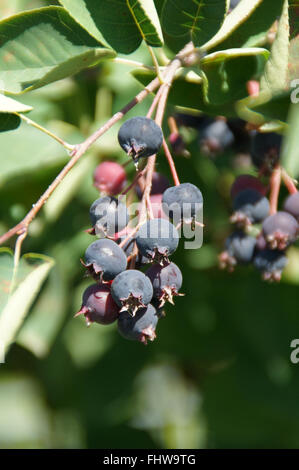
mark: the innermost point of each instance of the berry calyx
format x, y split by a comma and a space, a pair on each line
280, 230
140, 137
104, 259
132, 290
98, 305
167, 281
109, 178
141, 327
250, 207
157, 239
271, 263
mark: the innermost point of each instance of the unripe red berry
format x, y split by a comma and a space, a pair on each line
98, 305
109, 178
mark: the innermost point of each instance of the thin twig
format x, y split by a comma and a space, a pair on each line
289, 182
46, 131
171, 163
275, 181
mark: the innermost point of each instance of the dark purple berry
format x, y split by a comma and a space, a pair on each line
182, 202
249, 206
105, 259
159, 184
109, 178
132, 290
166, 280
271, 263
140, 137
243, 182
291, 205
108, 215
280, 230
239, 250
157, 239
265, 150
215, 137
141, 327
98, 305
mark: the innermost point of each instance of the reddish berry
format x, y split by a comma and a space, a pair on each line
109, 178
247, 182
98, 305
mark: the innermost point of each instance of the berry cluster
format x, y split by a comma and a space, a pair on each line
126, 288
263, 233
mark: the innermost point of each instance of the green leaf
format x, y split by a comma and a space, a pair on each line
246, 25
145, 15
9, 122
276, 108
8, 105
224, 73
18, 148
44, 45
47, 316
289, 159
275, 77
32, 271
198, 20
109, 21
228, 71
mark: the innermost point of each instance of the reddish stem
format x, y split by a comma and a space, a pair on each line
275, 182
171, 163
134, 182
289, 182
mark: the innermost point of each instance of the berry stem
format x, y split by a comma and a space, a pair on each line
171, 163
288, 181
275, 182
173, 125
134, 182
32, 123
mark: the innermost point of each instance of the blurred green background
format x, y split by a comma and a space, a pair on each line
219, 374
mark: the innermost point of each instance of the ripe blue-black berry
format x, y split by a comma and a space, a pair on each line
132, 290
105, 259
140, 137
109, 178
98, 305
215, 137
280, 230
265, 150
291, 205
108, 215
157, 239
141, 327
271, 263
182, 202
249, 206
159, 184
239, 250
243, 182
166, 280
